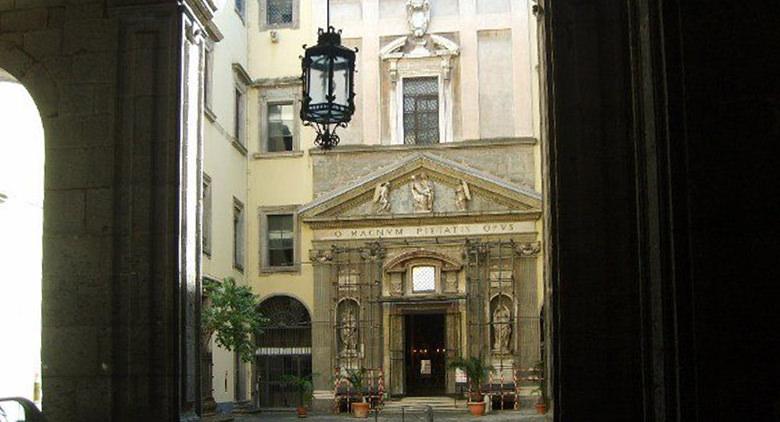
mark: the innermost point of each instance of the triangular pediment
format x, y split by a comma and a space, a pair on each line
457, 191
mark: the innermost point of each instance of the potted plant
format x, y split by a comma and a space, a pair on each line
355, 377
477, 372
541, 391
303, 387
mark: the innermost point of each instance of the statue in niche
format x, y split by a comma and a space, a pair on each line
462, 196
348, 331
418, 14
502, 329
382, 197
422, 193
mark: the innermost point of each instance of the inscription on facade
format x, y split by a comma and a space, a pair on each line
474, 229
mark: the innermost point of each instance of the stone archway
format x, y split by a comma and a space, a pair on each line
21, 225
283, 348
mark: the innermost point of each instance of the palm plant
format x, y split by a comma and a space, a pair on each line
541, 391
303, 386
355, 377
476, 371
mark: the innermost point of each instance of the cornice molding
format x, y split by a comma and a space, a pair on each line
468, 143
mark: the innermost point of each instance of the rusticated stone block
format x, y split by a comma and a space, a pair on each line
93, 67
23, 20
80, 168
71, 351
6, 5
99, 211
92, 35
70, 215
40, 44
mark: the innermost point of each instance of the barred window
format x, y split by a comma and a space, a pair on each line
279, 12
421, 110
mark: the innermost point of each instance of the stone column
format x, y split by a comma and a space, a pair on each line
452, 343
322, 330
397, 370
526, 329
477, 289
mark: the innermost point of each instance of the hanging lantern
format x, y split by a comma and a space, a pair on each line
328, 86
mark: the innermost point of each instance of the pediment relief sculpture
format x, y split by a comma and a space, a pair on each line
382, 198
462, 196
422, 193
423, 185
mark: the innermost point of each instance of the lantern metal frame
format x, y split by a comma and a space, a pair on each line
326, 117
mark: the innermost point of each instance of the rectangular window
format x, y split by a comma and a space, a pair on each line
206, 215
280, 127
239, 117
240, 7
280, 240
424, 279
421, 110
279, 12
238, 235
208, 77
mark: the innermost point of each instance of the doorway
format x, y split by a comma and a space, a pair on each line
425, 354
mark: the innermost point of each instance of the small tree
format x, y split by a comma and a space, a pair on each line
233, 316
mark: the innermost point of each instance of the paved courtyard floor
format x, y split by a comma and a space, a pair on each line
449, 416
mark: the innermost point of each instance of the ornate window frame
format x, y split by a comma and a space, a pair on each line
398, 272
436, 59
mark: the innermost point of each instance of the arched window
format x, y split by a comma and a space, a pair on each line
283, 348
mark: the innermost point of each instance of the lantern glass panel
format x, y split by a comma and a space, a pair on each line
318, 79
341, 82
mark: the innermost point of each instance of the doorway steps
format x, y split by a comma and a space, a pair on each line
417, 404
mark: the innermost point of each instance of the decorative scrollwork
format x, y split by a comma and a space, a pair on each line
321, 256
529, 248
326, 134
374, 251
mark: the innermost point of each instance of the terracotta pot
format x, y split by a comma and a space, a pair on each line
541, 408
302, 413
360, 409
476, 408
